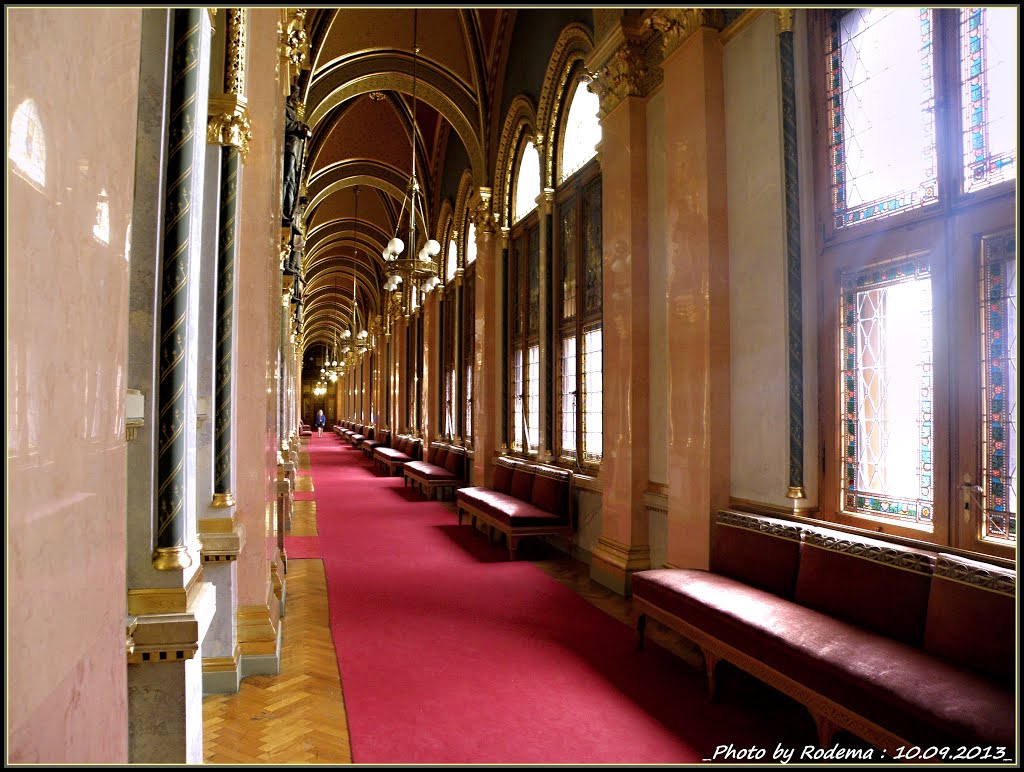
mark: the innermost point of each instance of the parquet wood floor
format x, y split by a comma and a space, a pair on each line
298, 716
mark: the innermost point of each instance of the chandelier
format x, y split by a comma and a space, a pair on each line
418, 274
357, 339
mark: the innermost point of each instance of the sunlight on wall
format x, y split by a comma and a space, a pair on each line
27, 146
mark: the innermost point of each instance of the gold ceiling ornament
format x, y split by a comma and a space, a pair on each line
418, 275
377, 96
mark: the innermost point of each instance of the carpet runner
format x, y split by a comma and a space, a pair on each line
451, 654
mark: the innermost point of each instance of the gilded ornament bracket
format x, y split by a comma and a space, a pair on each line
676, 25
229, 123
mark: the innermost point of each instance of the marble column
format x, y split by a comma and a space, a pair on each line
399, 377
794, 282
167, 595
488, 367
221, 535
258, 341
697, 281
622, 82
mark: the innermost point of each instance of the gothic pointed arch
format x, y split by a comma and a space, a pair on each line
520, 125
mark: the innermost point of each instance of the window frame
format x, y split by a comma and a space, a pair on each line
950, 231
584, 320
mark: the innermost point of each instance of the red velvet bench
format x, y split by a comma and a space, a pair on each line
380, 437
904, 648
443, 469
526, 500
405, 448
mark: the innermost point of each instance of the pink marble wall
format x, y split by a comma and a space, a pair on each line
624, 468
67, 314
697, 296
258, 319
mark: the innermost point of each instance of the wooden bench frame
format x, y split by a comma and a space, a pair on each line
381, 462
513, 534
428, 487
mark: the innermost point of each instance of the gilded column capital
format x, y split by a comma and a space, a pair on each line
294, 45
229, 122
784, 17
483, 217
677, 24
627, 72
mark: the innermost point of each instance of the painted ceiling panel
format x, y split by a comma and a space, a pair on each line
440, 36
370, 129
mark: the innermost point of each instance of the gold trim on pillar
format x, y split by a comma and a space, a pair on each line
784, 17
164, 600
221, 664
676, 25
294, 46
234, 60
129, 640
171, 558
628, 70
224, 500
228, 123
223, 541
165, 638
625, 557
256, 632
131, 428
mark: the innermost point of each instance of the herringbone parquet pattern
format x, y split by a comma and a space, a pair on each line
298, 716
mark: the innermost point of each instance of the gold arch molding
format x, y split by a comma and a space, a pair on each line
397, 81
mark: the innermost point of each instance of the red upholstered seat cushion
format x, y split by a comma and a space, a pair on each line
522, 484
757, 550
877, 585
503, 478
507, 508
920, 697
427, 471
971, 617
391, 454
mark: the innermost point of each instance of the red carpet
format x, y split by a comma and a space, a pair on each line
451, 654
299, 547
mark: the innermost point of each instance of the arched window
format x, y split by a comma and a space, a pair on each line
453, 259
527, 183
582, 132
470, 243
27, 148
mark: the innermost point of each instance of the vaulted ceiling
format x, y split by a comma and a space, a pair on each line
359, 103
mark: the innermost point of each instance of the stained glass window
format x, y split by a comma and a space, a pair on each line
988, 73
567, 250
517, 400
999, 386
469, 345
593, 419
568, 397
27, 148
533, 398
582, 131
881, 110
887, 391
527, 183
